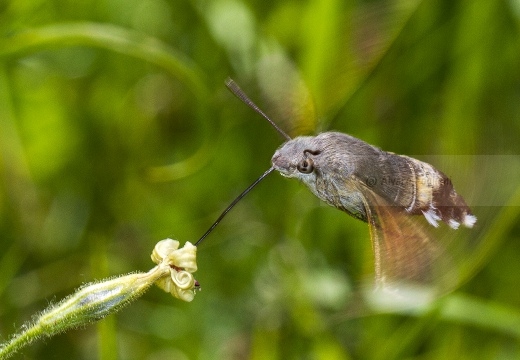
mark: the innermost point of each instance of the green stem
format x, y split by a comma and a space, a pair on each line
20, 340
89, 304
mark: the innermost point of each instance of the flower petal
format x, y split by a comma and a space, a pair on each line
183, 279
185, 257
164, 248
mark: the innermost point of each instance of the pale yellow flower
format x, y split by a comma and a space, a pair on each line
182, 263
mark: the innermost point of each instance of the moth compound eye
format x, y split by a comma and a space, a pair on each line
306, 166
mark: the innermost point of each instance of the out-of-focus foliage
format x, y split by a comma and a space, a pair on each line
116, 131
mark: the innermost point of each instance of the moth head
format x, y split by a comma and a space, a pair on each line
299, 158
322, 162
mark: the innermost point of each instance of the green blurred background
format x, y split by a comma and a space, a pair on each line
116, 131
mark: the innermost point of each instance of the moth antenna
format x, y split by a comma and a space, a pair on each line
244, 193
237, 91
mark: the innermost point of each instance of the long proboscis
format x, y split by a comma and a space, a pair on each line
239, 197
237, 91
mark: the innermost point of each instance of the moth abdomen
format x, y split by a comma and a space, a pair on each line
436, 197
417, 187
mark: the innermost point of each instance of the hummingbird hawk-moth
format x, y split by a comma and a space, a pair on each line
390, 192
383, 189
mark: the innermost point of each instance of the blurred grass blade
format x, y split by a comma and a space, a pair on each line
112, 38
320, 43
458, 309
497, 232
485, 314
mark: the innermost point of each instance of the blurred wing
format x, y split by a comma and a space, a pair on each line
289, 101
405, 247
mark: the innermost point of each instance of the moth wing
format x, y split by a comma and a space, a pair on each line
405, 247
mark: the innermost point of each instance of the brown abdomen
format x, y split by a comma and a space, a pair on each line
435, 197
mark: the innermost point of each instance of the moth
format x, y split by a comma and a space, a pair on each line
390, 192
386, 190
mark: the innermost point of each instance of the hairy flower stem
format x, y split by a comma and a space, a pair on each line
90, 303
